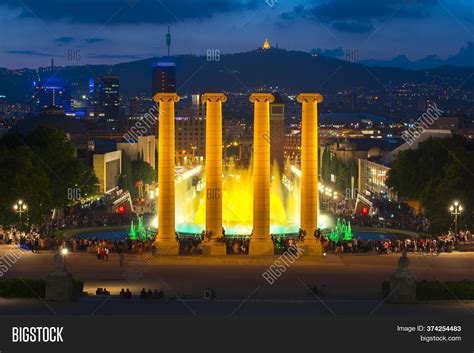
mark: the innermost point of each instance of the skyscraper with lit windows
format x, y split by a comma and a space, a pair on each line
104, 98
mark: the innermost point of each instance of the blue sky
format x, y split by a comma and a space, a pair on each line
111, 31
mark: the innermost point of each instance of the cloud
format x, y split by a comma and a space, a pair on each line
129, 11
28, 52
94, 40
115, 56
358, 16
353, 26
63, 40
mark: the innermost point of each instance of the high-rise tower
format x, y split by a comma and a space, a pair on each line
164, 73
168, 40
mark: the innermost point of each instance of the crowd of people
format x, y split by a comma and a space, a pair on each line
31, 240
95, 213
433, 245
386, 214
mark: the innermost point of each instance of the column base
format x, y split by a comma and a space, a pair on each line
311, 247
59, 286
214, 248
261, 247
167, 247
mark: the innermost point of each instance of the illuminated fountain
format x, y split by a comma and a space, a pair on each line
342, 231
139, 232
257, 201
237, 204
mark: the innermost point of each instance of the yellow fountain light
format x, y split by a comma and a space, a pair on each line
295, 170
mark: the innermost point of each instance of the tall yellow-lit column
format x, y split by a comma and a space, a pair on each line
214, 172
166, 239
261, 243
309, 171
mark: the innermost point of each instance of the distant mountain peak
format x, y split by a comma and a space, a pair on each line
464, 57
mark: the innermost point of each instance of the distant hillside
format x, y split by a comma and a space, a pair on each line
289, 70
464, 58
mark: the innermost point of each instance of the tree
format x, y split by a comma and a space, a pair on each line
436, 173
55, 154
20, 179
325, 172
126, 180
40, 168
143, 171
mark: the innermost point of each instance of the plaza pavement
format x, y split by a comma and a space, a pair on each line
346, 277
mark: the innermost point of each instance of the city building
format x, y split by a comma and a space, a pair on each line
292, 146
371, 179
104, 98
107, 168
190, 138
276, 136
52, 94
355, 148
144, 149
164, 77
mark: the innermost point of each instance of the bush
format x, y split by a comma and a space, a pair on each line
22, 288
32, 288
462, 290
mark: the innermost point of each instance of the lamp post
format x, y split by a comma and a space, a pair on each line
64, 252
455, 210
20, 208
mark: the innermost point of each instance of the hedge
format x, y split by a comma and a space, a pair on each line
462, 290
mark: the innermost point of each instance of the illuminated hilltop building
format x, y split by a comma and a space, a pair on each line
266, 44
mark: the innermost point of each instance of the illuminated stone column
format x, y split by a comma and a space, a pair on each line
214, 172
261, 243
166, 239
309, 171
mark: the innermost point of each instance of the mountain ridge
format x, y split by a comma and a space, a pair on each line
292, 71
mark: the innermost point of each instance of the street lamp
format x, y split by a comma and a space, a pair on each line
456, 210
20, 207
64, 252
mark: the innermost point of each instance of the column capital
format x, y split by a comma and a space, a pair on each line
213, 97
261, 97
310, 98
166, 97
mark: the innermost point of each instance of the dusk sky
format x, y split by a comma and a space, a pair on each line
111, 31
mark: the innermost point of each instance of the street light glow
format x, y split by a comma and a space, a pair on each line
64, 251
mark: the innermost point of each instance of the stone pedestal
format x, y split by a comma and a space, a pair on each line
402, 284
214, 248
59, 286
167, 247
262, 247
311, 246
